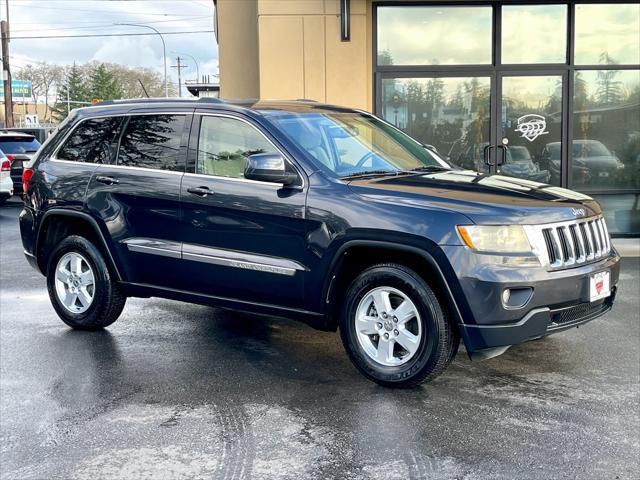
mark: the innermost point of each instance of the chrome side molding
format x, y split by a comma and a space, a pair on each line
215, 256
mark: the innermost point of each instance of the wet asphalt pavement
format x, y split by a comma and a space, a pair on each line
174, 390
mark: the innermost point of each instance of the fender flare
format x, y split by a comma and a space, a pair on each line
85, 217
428, 256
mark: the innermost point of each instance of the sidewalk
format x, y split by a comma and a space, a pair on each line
627, 247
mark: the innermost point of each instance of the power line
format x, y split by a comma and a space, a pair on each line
110, 35
71, 26
116, 12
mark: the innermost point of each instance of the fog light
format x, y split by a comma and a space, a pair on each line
505, 296
514, 298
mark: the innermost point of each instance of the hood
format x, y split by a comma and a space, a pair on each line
485, 199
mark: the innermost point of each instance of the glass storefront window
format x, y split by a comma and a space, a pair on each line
452, 114
534, 34
421, 35
531, 127
606, 130
607, 34
621, 212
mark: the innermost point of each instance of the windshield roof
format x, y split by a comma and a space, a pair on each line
343, 144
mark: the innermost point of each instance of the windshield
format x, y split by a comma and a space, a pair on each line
520, 154
345, 144
19, 144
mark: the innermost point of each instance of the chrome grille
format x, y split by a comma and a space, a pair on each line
567, 244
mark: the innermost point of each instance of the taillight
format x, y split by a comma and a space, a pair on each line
6, 166
27, 174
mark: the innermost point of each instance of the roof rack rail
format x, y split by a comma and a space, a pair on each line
121, 101
306, 100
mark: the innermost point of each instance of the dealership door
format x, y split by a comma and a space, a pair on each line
527, 126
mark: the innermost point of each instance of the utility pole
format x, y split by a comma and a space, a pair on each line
179, 66
6, 71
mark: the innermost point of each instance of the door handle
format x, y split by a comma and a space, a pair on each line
107, 180
200, 191
499, 160
486, 153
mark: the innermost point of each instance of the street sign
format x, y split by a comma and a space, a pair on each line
20, 89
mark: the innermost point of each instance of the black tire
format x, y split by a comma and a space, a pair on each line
108, 300
438, 345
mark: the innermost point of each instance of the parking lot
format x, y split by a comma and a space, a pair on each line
174, 390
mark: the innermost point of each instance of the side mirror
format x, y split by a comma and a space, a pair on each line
268, 167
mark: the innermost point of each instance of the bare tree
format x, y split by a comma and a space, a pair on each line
43, 77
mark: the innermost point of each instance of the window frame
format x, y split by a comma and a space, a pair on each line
194, 141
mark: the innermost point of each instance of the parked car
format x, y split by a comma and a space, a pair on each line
13, 144
40, 133
520, 164
313, 212
592, 162
6, 184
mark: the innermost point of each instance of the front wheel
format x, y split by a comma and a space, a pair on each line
82, 291
395, 329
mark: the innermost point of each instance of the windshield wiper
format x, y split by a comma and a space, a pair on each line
429, 168
366, 173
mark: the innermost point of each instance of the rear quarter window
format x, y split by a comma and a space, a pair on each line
92, 141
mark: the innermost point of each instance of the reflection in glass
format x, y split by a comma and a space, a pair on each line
531, 124
452, 114
606, 130
534, 34
225, 144
607, 34
419, 35
91, 141
152, 141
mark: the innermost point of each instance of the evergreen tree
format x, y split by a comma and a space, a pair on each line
103, 84
69, 94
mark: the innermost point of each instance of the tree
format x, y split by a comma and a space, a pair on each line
69, 93
609, 89
103, 83
385, 58
43, 78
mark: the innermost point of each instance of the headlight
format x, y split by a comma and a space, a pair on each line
495, 238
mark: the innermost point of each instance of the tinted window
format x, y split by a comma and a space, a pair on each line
91, 141
19, 144
225, 144
152, 141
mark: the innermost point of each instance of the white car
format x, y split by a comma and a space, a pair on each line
6, 184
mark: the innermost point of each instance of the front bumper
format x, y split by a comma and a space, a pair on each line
559, 300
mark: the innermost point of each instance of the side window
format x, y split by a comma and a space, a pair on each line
91, 141
152, 141
225, 143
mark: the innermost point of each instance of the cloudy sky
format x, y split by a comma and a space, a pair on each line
52, 18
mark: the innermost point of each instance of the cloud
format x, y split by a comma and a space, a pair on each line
68, 17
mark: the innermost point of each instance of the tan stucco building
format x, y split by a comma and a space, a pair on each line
275, 49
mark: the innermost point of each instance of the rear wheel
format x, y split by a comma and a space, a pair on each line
81, 288
395, 329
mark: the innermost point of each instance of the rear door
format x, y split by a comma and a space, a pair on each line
243, 239
138, 196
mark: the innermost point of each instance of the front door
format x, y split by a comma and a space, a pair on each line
528, 127
242, 239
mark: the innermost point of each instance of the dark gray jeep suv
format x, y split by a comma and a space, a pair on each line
313, 212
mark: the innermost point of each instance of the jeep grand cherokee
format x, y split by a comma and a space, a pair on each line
313, 212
